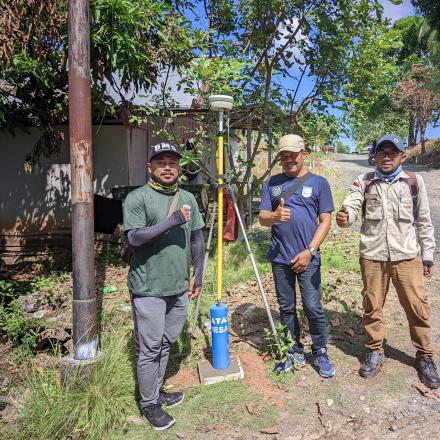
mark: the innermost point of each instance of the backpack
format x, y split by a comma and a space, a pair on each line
412, 182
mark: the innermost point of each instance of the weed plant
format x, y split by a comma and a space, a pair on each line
14, 324
285, 341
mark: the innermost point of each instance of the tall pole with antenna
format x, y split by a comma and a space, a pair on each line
219, 311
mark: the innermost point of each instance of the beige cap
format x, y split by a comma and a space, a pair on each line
292, 143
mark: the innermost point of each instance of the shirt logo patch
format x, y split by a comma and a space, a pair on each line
355, 186
307, 191
276, 191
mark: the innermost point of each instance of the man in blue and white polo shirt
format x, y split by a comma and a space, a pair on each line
300, 222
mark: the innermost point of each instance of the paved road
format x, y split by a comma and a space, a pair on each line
351, 165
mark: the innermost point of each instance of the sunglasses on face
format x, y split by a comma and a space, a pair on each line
390, 154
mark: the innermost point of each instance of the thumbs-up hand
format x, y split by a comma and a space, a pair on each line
281, 214
342, 217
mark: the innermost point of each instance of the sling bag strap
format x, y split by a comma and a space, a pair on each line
286, 194
126, 251
174, 203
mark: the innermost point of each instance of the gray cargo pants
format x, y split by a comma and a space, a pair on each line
158, 322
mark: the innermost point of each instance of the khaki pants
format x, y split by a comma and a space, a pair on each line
407, 277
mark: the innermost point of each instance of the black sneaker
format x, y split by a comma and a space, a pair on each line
157, 417
428, 371
372, 363
170, 399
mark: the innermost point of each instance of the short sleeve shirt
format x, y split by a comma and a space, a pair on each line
161, 268
306, 203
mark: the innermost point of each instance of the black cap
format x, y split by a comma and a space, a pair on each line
164, 147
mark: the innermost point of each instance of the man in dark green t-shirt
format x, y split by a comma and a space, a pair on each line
164, 228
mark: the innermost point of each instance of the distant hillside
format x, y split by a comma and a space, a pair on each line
432, 156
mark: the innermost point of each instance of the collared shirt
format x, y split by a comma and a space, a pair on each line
389, 231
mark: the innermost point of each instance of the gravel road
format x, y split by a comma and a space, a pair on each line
351, 165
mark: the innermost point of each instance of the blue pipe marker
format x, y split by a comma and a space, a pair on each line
220, 336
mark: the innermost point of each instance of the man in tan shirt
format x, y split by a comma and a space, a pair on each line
397, 244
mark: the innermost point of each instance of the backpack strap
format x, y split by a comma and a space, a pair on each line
414, 189
412, 182
369, 182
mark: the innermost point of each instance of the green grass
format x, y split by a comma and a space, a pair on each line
210, 408
340, 250
98, 407
88, 408
237, 266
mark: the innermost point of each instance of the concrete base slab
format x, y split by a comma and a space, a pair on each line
71, 369
209, 375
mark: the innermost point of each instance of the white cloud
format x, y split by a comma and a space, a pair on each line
394, 12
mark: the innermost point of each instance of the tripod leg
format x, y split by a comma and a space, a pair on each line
254, 266
205, 264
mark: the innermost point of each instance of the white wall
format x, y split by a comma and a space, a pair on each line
40, 202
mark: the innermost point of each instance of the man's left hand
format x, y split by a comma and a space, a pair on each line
301, 261
428, 271
193, 292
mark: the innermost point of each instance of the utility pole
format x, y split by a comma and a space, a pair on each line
85, 340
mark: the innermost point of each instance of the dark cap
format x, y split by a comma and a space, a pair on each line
163, 147
391, 139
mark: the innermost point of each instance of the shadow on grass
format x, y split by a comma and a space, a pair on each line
346, 331
349, 336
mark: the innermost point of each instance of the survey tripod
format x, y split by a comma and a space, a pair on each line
224, 183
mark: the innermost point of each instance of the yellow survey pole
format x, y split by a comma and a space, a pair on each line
220, 167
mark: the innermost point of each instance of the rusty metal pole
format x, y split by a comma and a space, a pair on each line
85, 340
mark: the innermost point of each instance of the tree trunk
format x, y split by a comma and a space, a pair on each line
411, 133
422, 138
416, 129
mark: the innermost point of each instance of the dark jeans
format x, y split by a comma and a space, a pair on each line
310, 288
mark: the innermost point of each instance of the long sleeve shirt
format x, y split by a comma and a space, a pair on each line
389, 231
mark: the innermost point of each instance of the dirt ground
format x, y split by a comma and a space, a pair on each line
393, 405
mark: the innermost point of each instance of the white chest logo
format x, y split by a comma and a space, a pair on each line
307, 191
276, 191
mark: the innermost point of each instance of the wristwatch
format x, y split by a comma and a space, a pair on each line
312, 250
